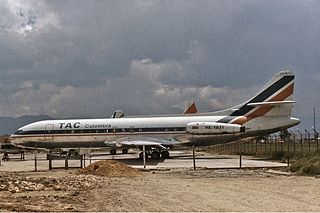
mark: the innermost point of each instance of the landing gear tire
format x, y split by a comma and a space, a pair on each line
124, 151
165, 154
113, 151
155, 155
5, 159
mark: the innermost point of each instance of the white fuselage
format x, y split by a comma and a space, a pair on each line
94, 132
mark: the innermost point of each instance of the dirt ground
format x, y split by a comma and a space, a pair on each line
173, 190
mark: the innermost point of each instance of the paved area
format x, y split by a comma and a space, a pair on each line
180, 159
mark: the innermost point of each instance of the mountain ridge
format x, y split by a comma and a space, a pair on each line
9, 125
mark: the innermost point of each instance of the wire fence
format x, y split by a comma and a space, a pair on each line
293, 143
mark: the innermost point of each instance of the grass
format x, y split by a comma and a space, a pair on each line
4, 139
306, 164
304, 158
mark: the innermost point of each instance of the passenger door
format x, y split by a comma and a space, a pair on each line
48, 132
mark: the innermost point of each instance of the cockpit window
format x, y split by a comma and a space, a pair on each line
20, 132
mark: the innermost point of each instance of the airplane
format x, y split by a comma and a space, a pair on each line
191, 108
267, 112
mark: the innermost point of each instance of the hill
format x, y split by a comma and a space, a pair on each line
9, 125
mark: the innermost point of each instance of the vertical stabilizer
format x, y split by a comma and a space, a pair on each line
279, 91
191, 108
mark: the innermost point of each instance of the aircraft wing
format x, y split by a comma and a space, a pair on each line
144, 141
10, 146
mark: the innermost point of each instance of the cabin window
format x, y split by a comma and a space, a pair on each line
20, 132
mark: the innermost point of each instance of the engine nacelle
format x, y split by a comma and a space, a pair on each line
208, 128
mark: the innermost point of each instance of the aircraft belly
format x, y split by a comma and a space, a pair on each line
207, 140
62, 141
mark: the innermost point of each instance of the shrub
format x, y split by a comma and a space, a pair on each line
308, 164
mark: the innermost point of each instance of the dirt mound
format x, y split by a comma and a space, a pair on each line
110, 168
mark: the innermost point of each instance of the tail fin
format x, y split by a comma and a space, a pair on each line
274, 99
191, 108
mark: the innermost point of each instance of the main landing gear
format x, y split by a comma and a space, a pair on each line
155, 154
152, 153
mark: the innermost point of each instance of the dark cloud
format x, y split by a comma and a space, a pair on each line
88, 58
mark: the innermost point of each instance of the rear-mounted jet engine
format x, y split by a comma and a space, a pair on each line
209, 128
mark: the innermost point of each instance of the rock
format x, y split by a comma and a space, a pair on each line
76, 193
39, 187
15, 190
27, 188
57, 187
24, 183
68, 208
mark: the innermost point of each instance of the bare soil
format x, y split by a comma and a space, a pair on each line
173, 190
109, 168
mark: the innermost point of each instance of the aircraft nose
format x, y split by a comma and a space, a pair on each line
11, 138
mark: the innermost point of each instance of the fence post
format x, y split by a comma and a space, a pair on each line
240, 163
317, 140
294, 141
300, 139
144, 156
35, 160
194, 158
316, 136
275, 142
251, 141
50, 159
288, 148
308, 139
265, 146
270, 143
66, 166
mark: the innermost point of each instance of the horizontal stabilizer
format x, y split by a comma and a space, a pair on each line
270, 103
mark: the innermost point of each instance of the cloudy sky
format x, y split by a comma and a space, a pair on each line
88, 58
